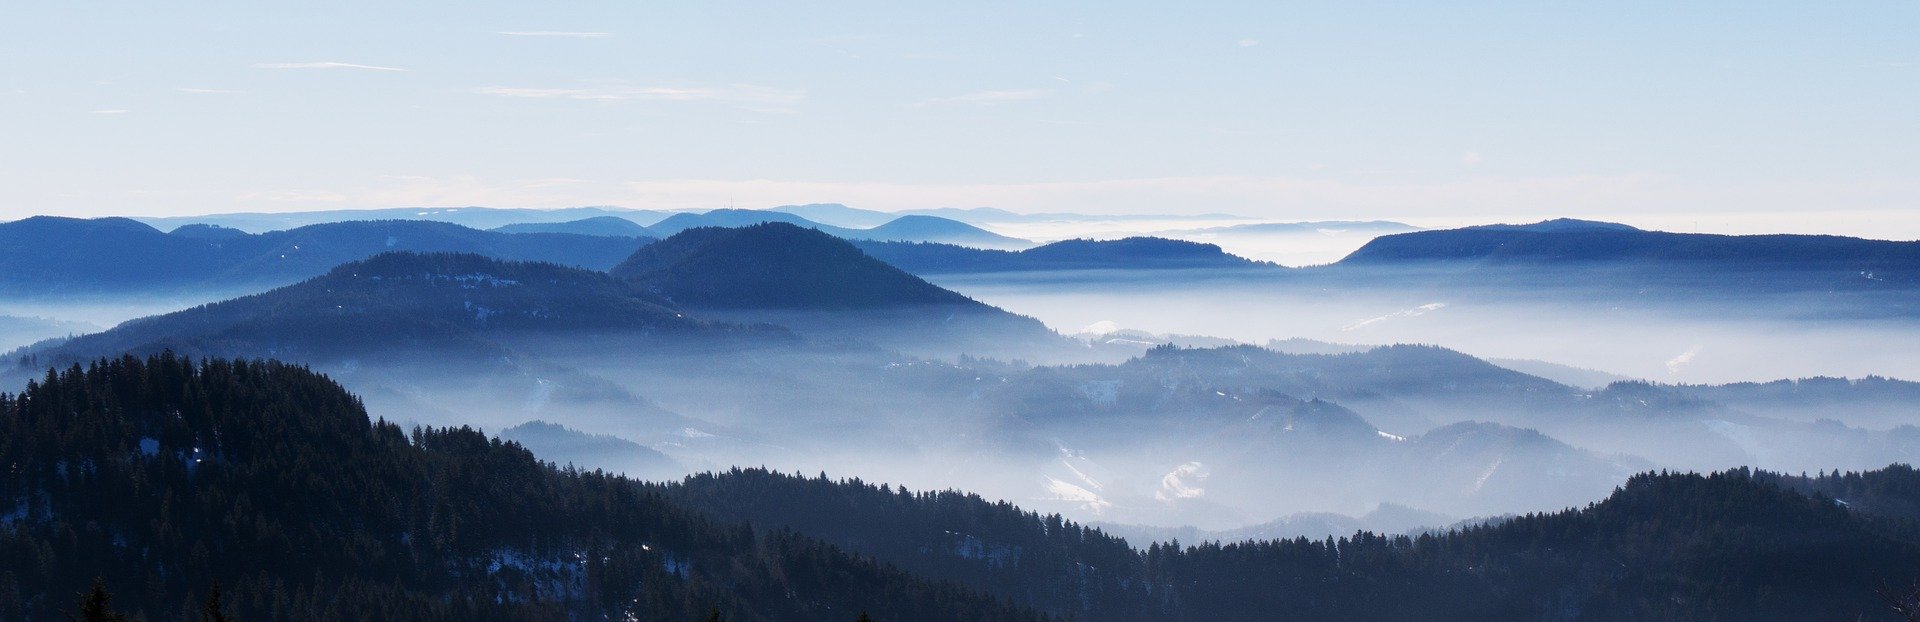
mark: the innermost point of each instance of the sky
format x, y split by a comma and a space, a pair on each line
1737, 117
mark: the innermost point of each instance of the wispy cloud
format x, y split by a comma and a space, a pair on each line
746, 96
1684, 359
294, 196
324, 65
1247, 43
108, 111
1471, 158
990, 98
554, 33
1183, 482
197, 91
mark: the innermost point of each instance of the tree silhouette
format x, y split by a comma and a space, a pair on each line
97, 606
214, 610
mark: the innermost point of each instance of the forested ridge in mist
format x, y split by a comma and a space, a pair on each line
781, 345
162, 476
50, 256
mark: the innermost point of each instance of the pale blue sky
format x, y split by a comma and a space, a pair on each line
1737, 116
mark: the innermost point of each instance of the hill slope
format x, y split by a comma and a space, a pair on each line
1733, 545
1137, 253
1561, 244
911, 228
823, 286
776, 266
394, 302
271, 481
65, 256
599, 225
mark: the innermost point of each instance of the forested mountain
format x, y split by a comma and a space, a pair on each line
911, 228
825, 287
838, 215
917, 228
777, 266
1279, 434
1569, 244
163, 477
736, 218
1137, 253
446, 304
563, 445
1738, 545
47, 255
599, 225
1422, 426
473, 217
1375, 226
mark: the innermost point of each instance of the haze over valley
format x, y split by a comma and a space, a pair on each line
883, 312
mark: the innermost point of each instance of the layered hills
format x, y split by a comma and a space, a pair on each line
393, 302
273, 482
47, 255
824, 286
1566, 244
1127, 254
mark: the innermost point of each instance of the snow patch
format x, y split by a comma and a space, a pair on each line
1183, 482
1481, 482
1414, 312
1088, 500
1684, 359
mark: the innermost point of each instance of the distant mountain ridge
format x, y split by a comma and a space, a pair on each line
597, 225
823, 286
913, 228
775, 266
1559, 242
47, 255
390, 303
1134, 253
472, 217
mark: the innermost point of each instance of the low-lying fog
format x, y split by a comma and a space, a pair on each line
1221, 443
1669, 341
1318, 244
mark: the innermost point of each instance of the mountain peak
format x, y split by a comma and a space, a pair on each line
775, 266
1559, 225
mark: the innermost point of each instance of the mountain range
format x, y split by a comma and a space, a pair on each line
1571, 244
50, 256
820, 285
276, 484
1134, 253
613, 226
913, 228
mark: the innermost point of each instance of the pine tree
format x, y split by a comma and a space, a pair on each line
214, 610
97, 606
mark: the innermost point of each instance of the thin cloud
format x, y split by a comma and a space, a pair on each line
324, 65
554, 33
1684, 359
746, 96
991, 98
1247, 43
108, 111
195, 91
